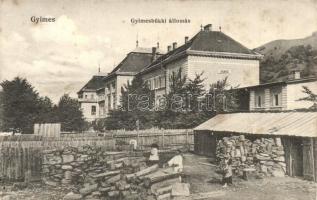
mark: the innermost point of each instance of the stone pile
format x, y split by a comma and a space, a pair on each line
265, 155
94, 173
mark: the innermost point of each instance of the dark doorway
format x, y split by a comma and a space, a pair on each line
205, 144
296, 156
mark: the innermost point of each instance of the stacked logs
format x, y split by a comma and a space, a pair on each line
94, 173
264, 155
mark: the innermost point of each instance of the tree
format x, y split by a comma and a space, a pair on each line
224, 99
69, 114
310, 97
195, 91
134, 93
135, 110
20, 105
191, 112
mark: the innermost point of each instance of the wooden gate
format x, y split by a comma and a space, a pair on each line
205, 144
308, 159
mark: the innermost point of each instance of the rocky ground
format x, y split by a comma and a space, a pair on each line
202, 178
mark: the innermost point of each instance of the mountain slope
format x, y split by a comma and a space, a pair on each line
283, 56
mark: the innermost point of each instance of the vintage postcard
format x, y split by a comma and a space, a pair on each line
166, 100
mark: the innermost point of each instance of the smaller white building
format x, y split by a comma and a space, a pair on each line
282, 95
88, 98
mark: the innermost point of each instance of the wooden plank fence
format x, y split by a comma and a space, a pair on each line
21, 156
164, 137
48, 130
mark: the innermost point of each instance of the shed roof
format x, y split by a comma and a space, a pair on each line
302, 124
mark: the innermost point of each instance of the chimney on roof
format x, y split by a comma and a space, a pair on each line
153, 53
169, 48
157, 45
295, 75
186, 39
174, 45
208, 27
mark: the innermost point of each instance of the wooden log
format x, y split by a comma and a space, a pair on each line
106, 189
118, 165
208, 164
207, 195
114, 179
164, 183
105, 174
114, 193
117, 160
88, 189
163, 190
142, 172
166, 196
159, 176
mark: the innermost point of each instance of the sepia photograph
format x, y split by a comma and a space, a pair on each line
158, 100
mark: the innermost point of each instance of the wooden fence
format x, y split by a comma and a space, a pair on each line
21, 156
48, 130
164, 137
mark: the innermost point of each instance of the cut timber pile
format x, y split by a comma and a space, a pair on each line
94, 173
264, 155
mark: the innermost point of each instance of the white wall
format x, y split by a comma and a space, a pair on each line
121, 81
240, 72
294, 92
174, 67
86, 109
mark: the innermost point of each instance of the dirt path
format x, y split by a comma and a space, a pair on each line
203, 178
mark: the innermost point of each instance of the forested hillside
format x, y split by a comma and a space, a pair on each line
283, 56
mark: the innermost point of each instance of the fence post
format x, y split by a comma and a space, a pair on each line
163, 141
138, 138
187, 138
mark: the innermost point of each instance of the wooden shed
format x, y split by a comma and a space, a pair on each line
297, 130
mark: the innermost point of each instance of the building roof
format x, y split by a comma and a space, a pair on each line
94, 83
134, 62
217, 41
291, 81
302, 124
205, 42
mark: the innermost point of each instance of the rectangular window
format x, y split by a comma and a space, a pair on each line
152, 83
93, 110
160, 81
163, 81
114, 101
259, 101
148, 82
109, 102
276, 100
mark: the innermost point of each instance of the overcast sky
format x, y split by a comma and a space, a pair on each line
60, 57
